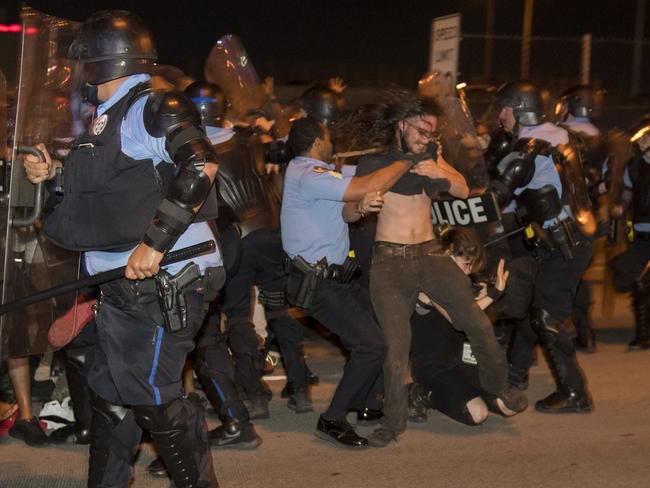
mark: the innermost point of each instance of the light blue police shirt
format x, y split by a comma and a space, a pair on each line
138, 144
545, 172
582, 125
311, 217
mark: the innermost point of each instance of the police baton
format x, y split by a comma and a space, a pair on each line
504, 236
205, 247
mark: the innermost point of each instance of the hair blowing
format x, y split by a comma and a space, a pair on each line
374, 125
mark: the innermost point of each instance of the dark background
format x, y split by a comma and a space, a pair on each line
370, 42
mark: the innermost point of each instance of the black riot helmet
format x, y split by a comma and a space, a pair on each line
112, 44
526, 100
321, 103
210, 100
582, 100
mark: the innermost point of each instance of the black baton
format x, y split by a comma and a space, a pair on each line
205, 247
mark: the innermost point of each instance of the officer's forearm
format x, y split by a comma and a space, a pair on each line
378, 181
351, 212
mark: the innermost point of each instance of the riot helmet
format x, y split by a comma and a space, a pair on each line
112, 44
321, 103
525, 99
210, 100
579, 101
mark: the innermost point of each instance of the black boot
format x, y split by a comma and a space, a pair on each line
114, 440
571, 401
178, 430
80, 396
641, 316
571, 394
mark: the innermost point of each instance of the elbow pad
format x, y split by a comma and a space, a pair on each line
172, 115
514, 171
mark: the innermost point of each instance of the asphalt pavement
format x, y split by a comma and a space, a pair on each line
608, 448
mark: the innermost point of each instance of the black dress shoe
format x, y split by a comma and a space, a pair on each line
339, 432
157, 468
369, 416
558, 402
234, 435
72, 434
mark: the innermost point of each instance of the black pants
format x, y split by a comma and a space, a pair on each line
137, 363
555, 290
261, 262
345, 309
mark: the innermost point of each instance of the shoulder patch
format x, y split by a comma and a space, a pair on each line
321, 169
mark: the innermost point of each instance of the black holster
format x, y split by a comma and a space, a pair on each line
303, 281
171, 295
563, 236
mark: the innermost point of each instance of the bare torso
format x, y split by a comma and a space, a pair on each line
405, 219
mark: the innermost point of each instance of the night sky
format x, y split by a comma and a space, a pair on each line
300, 40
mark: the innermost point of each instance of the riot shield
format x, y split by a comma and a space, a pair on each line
48, 110
460, 144
229, 66
574, 188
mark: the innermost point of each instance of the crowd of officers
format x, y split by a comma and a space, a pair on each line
348, 240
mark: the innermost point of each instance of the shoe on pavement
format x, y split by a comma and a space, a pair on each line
30, 432
340, 432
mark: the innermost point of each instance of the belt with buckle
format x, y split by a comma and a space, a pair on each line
383, 248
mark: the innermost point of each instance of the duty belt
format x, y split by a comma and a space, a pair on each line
641, 236
407, 251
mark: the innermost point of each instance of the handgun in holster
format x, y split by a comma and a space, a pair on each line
171, 295
309, 278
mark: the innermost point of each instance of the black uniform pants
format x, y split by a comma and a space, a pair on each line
137, 363
555, 290
345, 309
261, 262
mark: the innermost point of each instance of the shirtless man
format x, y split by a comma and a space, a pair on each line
405, 263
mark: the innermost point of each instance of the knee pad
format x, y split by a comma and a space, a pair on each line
162, 418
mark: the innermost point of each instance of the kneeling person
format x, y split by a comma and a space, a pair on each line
442, 363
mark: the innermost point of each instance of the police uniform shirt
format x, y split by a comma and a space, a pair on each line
138, 144
545, 172
311, 216
581, 125
218, 135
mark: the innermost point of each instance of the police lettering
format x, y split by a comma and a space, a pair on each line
459, 212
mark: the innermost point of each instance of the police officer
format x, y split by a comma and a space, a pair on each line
250, 219
575, 109
630, 268
315, 237
529, 188
134, 182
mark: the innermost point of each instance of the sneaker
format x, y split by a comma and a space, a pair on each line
57, 415
30, 432
232, 434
